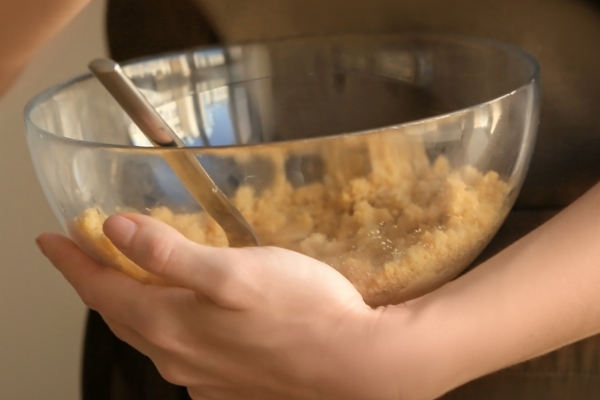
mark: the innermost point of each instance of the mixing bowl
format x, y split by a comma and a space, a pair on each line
392, 158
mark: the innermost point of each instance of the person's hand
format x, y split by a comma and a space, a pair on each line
265, 323
254, 323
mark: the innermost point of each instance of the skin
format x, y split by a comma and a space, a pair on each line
267, 323
33, 22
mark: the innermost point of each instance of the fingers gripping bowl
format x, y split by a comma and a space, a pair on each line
393, 159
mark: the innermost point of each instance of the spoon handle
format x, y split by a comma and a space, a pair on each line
184, 164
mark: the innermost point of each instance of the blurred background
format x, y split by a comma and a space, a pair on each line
41, 318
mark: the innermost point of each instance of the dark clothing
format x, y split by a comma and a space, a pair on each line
564, 35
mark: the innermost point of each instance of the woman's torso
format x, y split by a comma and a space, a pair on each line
564, 35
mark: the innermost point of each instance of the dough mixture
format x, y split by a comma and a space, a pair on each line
390, 219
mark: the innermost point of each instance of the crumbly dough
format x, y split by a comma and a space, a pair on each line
395, 223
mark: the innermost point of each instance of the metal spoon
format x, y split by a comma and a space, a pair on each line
184, 163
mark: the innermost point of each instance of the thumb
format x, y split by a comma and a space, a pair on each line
160, 249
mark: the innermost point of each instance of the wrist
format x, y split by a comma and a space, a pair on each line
379, 354
408, 350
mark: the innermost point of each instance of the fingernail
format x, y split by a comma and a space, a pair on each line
38, 242
120, 229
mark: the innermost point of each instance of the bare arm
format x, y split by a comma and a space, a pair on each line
25, 25
538, 295
280, 325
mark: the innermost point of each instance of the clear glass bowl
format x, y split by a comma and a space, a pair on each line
394, 159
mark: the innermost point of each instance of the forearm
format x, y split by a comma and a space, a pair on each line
26, 26
538, 295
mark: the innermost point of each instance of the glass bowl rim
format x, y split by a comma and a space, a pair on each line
457, 38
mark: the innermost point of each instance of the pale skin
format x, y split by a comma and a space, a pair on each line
266, 323
26, 25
